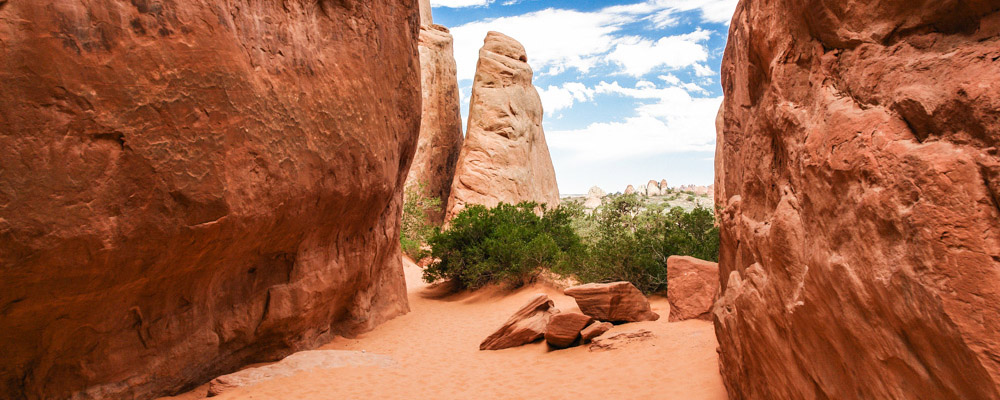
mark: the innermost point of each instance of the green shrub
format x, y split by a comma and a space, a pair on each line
415, 226
506, 244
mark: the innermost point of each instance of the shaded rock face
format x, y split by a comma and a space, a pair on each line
441, 121
692, 286
188, 187
525, 326
612, 302
860, 226
504, 157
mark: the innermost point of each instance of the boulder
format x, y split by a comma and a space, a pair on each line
504, 157
297, 363
595, 329
860, 226
440, 139
564, 329
612, 302
525, 326
187, 187
692, 286
652, 188
630, 189
663, 186
618, 340
596, 192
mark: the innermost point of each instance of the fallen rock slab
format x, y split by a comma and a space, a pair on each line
296, 363
595, 329
616, 341
692, 285
612, 302
526, 325
564, 329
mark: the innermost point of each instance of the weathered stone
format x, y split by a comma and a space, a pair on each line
652, 188
595, 329
297, 363
564, 329
441, 121
692, 286
630, 189
612, 302
860, 232
620, 339
525, 326
504, 157
190, 186
663, 186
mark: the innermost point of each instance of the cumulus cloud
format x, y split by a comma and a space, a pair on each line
555, 98
672, 121
638, 56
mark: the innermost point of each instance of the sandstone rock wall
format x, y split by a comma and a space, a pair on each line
504, 157
441, 118
188, 187
860, 179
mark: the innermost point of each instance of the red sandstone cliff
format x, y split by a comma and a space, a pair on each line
504, 157
859, 175
441, 119
186, 187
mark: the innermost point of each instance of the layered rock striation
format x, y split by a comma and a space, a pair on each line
504, 157
188, 187
858, 180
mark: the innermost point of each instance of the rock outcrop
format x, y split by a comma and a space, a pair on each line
441, 121
612, 302
594, 196
564, 329
652, 188
504, 157
860, 226
188, 187
525, 326
692, 286
630, 189
663, 186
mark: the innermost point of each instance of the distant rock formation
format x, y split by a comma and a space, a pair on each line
188, 187
652, 188
630, 189
596, 192
663, 186
860, 225
440, 139
594, 196
504, 157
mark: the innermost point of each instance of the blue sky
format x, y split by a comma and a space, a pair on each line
630, 88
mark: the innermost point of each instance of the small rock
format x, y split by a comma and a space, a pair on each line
525, 326
612, 302
595, 329
564, 329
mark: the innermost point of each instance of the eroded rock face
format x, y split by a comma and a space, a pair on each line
504, 157
652, 188
525, 326
860, 227
188, 187
441, 121
612, 302
692, 286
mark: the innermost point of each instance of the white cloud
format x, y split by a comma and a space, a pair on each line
460, 3
674, 122
554, 39
638, 56
714, 11
555, 98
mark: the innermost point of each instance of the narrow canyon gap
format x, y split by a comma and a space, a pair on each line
188, 187
857, 181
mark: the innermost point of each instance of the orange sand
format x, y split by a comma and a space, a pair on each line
436, 347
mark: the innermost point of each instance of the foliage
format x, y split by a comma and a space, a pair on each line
505, 244
416, 227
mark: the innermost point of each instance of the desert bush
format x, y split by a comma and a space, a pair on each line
506, 244
415, 226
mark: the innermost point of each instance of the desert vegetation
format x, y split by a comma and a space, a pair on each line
627, 238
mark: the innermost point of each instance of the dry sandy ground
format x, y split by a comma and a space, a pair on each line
436, 347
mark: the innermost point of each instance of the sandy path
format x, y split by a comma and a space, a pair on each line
436, 347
